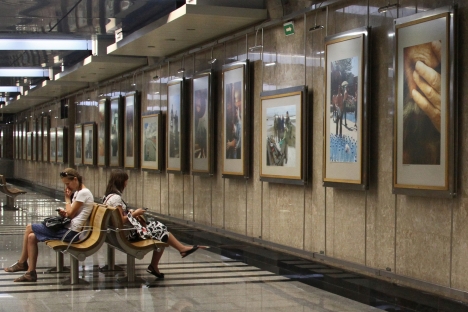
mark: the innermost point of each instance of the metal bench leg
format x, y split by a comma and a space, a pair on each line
59, 264
130, 268
74, 271
131, 276
10, 203
110, 266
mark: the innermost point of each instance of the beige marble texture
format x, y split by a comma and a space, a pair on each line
285, 206
235, 205
423, 238
151, 183
187, 213
349, 225
202, 207
254, 186
176, 199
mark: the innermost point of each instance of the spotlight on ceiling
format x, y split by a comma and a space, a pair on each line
251, 49
316, 27
388, 7
181, 70
212, 61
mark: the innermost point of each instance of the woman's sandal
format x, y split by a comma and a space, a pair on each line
151, 270
17, 266
27, 277
188, 252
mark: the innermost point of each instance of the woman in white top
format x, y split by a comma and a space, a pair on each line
153, 230
77, 209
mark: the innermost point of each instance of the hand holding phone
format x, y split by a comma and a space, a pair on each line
58, 209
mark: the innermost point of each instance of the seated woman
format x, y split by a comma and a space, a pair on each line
155, 229
77, 209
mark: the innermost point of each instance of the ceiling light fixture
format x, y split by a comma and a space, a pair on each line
212, 61
181, 70
256, 46
27, 44
24, 72
316, 27
270, 64
388, 7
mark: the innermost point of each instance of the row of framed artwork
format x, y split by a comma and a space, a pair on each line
41, 143
425, 112
424, 153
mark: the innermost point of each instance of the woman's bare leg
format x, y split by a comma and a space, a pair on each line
174, 242
24, 250
32, 251
155, 259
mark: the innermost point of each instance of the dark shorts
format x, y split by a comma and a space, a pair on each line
43, 233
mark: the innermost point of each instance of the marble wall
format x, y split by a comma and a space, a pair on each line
422, 238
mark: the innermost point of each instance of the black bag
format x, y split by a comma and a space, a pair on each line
56, 223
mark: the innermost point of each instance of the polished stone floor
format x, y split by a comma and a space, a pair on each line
229, 276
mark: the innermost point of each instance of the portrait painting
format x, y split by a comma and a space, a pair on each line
89, 143
202, 127
102, 134
345, 152
78, 146
174, 147
62, 145
24, 140
115, 126
282, 135
132, 103
424, 149
53, 145
151, 151
45, 138
235, 114
29, 136
39, 138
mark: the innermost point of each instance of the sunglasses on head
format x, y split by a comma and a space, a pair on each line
64, 174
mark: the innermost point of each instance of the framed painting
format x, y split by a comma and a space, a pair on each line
115, 131
53, 144
16, 134
78, 146
24, 140
132, 129
34, 141
176, 146
151, 142
39, 138
202, 133
345, 119
45, 138
29, 140
284, 136
62, 146
425, 119
103, 132
236, 108
89, 143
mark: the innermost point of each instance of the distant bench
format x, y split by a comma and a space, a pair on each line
10, 192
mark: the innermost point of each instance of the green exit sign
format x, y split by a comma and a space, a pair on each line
288, 28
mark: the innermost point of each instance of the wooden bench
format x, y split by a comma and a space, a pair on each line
117, 239
10, 192
86, 247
